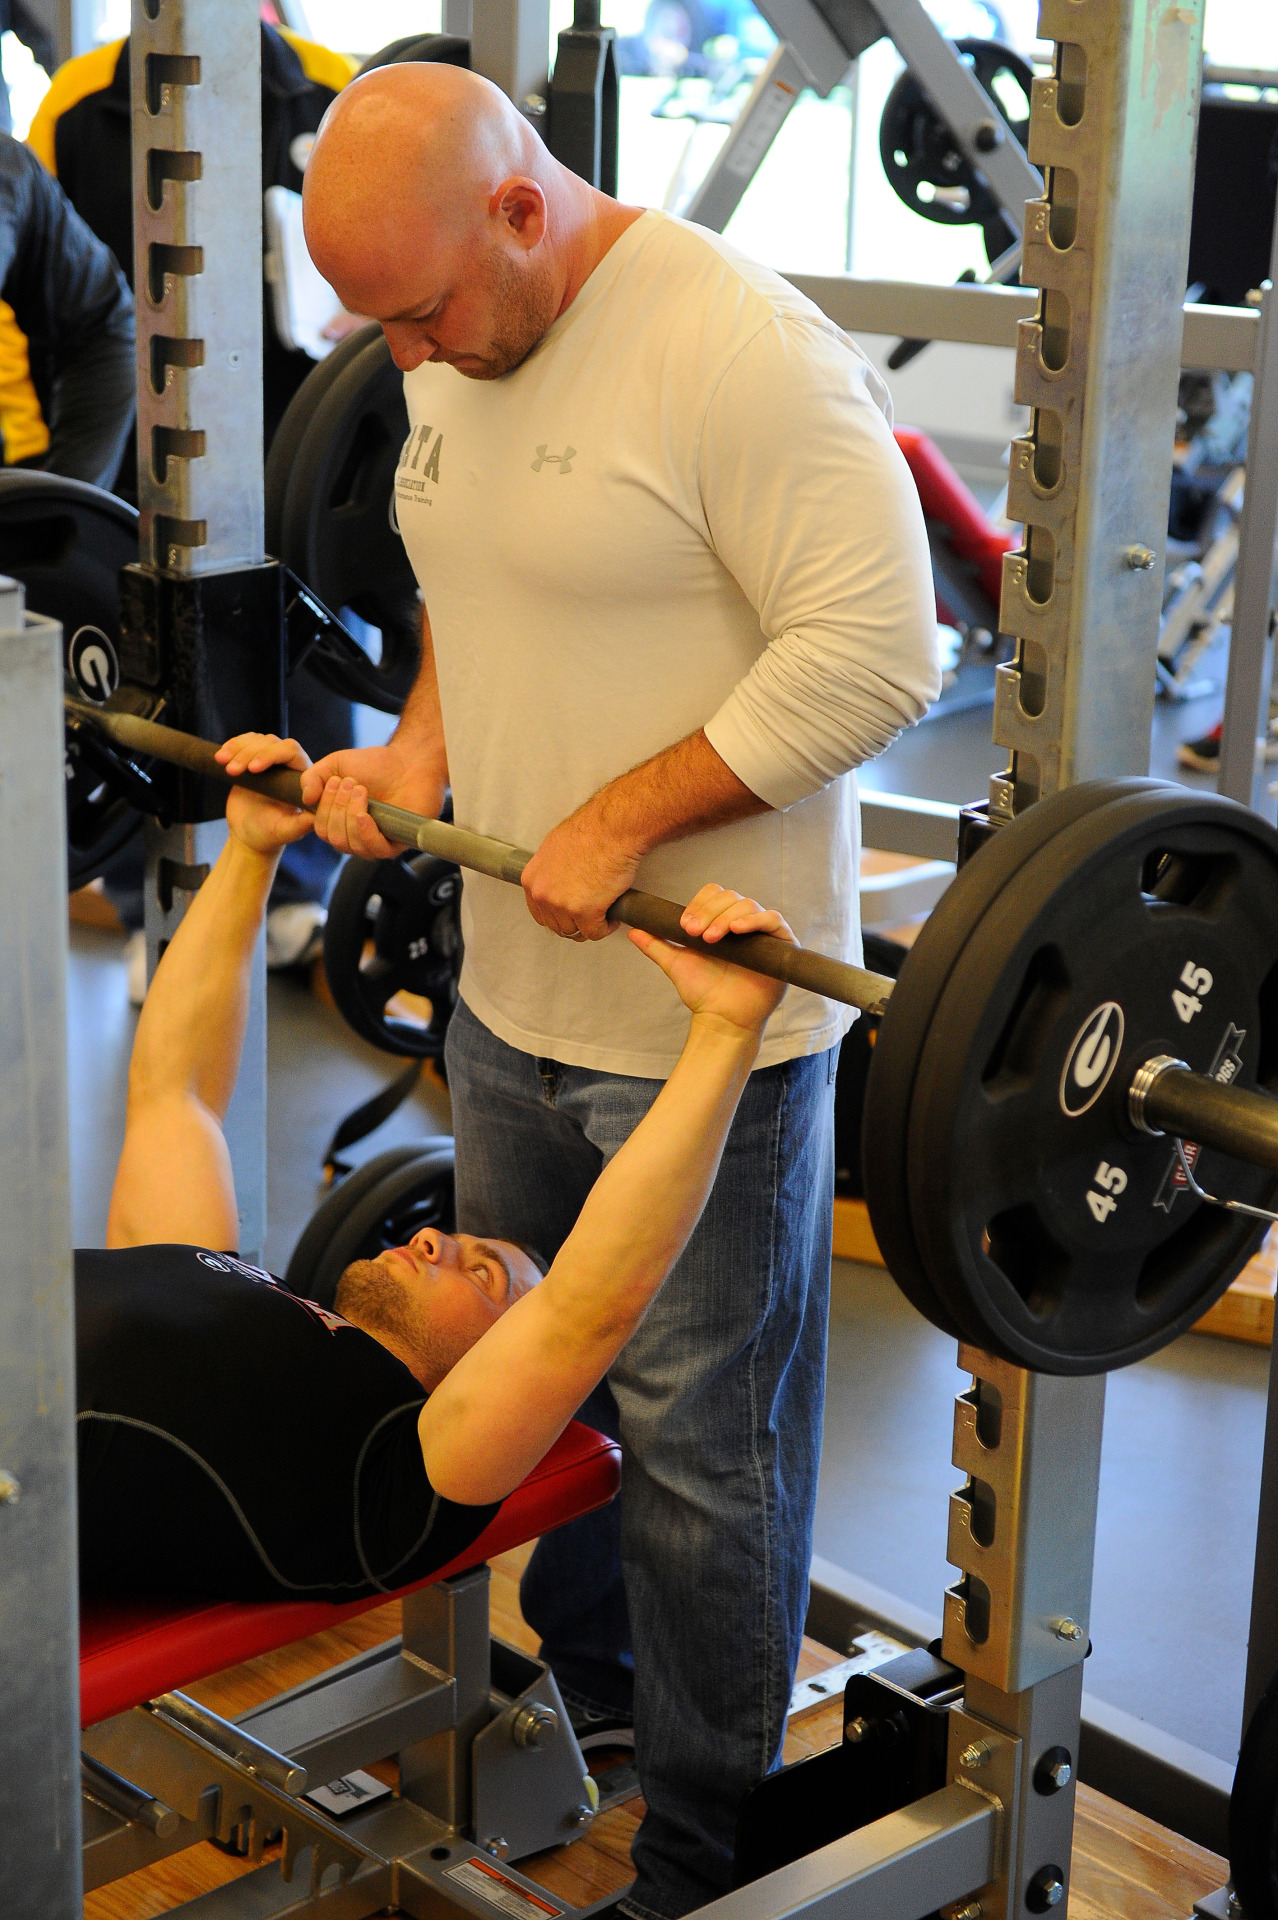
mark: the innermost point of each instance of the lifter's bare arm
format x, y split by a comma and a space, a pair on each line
505, 1402
174, 1180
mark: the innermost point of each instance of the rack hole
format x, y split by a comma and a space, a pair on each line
1053, 321
1040, 571
975, 1596
169, 163
1071, 82
1062, 211
169, 70
174, 443
1048, 436
1032, 667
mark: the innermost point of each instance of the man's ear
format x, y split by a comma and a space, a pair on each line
521, 205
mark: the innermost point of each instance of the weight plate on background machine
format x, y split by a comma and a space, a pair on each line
297, 418
382, 1204
927, 168
337, 531
1055, 1233
904, 1028
66, 542
410, 908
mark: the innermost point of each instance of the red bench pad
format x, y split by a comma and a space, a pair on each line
944, 497
130, 1650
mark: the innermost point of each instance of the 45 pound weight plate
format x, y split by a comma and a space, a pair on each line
1056, 1233
904, 1029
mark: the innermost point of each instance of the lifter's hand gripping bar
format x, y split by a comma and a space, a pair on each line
760, 952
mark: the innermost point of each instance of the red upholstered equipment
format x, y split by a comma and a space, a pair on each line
944, 498
131, 1650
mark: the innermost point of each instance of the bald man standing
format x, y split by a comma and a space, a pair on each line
676, 587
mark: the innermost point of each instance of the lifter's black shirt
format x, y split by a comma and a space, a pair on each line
239, 1443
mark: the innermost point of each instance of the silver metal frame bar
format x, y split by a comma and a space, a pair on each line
39, 1647
906, 1865
775, 93
1250, 640
988, 316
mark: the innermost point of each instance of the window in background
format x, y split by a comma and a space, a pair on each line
688, 66
26, 80
362, 29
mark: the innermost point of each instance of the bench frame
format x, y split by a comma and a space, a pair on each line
484, 1745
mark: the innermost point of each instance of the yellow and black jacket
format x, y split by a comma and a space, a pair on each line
69, 332
82, 134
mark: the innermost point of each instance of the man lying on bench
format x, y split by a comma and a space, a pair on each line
238, 1442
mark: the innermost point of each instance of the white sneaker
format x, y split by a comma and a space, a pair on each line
294, 934
135, 960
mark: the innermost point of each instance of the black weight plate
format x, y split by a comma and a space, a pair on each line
315, 1235
1054, 1231
386, 1211
410, 909
66, 542
1253, 1813
918, 150
904, 1028
338, 532
297, 418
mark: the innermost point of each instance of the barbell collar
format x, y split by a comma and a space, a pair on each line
1166, 1097
758, 952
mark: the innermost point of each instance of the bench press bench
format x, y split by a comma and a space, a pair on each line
490, 1770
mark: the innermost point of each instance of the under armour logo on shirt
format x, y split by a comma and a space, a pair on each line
562, 460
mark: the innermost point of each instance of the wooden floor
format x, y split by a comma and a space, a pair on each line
1125, 1867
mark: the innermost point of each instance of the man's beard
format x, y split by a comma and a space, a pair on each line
523, 313
374, 1301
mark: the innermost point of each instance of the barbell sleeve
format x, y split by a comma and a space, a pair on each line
758, 952
1166, 1097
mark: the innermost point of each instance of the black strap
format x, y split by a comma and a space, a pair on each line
365, 1119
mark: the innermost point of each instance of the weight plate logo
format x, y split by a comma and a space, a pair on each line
94, 665
1091, 1059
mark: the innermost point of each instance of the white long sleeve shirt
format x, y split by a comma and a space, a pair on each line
685, 509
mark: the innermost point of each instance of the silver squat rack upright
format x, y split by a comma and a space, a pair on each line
197, 205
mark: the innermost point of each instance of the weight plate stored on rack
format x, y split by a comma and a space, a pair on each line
924, 163
1054, 1232
297, 418
66, 542
335, 528
410, 909
382, 1204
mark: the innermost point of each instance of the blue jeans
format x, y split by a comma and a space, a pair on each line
692, 1589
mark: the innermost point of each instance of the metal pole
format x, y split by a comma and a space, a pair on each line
1099, 364
1250, 664
40, 1871
510, 45
197, 197
774, 94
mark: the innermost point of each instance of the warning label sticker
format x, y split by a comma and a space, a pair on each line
500, 1891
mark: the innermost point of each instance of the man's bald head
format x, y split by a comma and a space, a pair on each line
426, 191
